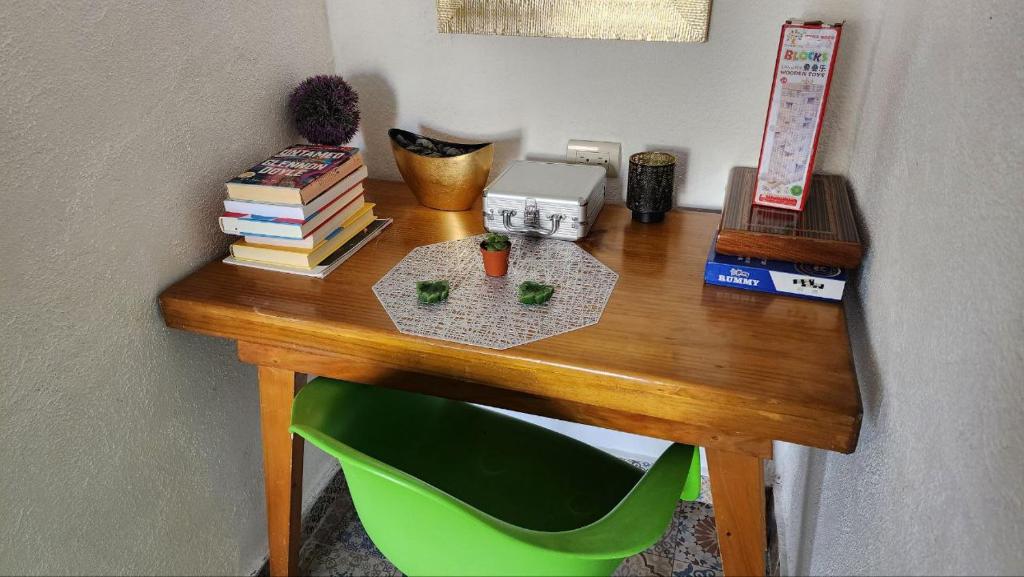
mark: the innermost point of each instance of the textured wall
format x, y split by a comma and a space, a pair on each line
935, 484
129, 448
706, 102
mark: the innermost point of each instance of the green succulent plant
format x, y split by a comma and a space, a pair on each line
432, 291
535, 293
495, 242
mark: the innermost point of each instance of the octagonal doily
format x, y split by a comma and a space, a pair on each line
484, 311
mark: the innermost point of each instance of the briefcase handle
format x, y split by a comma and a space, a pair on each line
534, 226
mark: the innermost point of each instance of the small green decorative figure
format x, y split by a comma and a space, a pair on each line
535, 293
432, 291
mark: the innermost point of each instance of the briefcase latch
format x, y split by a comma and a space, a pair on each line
531, 220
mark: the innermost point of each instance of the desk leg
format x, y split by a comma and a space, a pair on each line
282, 468
737, 487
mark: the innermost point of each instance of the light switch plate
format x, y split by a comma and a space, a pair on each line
606, 154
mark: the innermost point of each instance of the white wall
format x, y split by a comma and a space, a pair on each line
938, 333
531, 95
128, 448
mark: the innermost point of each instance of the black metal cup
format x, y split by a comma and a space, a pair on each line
649, 190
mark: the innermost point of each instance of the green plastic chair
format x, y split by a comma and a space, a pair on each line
448, 488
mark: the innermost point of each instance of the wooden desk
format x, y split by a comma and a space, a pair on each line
671, 358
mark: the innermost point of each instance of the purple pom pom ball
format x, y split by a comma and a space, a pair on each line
325, 110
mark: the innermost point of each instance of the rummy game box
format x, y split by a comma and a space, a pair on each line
774, 276
803, 74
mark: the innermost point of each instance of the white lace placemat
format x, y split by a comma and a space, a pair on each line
485, 311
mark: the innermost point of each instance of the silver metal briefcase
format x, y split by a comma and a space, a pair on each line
550, 199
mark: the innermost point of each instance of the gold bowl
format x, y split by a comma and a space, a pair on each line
443, 182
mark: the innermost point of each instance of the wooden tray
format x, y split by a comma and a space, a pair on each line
825, 233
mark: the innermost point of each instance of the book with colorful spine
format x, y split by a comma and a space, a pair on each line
331, 216
301, 257
296, 175
326, 266
297, 211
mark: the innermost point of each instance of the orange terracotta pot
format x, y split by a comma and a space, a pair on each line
495, 262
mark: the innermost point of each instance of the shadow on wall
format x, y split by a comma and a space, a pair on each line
545, 158
379, 110
865, 359
846, 96
507, 145
816, 460
613, 190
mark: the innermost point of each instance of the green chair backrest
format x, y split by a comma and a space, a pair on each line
445, 487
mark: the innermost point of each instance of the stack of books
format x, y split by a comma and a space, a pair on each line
300, 211
798, 253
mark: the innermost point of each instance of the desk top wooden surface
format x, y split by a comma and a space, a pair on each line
725, 363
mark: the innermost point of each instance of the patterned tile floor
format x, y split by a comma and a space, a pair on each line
334, 542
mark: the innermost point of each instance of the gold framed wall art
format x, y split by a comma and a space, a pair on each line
651, 20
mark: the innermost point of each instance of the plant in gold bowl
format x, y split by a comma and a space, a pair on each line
442, 175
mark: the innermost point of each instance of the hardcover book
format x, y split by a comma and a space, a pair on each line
296, 175
338, 211
307, 242
776, 277
297, 211
328, 264
298, 257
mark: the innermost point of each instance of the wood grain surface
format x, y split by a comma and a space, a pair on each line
669, 348
824, 233
282, 467
353, 369
737, 485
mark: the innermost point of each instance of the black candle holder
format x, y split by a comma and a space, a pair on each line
649, 191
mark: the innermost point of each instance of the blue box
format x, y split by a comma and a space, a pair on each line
775, 277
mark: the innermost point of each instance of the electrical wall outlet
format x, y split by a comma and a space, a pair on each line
606, 154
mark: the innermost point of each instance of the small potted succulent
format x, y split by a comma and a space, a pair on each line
494, 249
